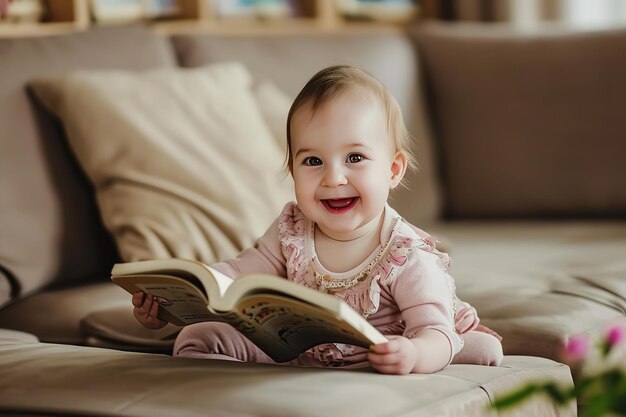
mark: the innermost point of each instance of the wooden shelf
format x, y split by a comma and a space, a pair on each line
200, 16
61, 17
285, 28
36, 29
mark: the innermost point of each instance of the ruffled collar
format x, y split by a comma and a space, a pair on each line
390, 220
360, 286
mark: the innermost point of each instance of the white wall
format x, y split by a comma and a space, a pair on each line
580, 13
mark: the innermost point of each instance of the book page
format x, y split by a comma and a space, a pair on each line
284, 328
180, 301
177, 299
223, 281
210, 281
247, 285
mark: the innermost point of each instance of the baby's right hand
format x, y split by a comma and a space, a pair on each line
146, 310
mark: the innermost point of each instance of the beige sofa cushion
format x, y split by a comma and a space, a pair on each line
54, 316
182, 161
540, 283
72, 380
50, 228
13, 336
530, 124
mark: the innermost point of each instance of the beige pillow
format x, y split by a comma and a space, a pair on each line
274, 105
182, 161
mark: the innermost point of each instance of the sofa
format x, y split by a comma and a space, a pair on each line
520, 142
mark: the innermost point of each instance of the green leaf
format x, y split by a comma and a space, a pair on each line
605, 348
597, 407
556, 393
514, 397
620, 406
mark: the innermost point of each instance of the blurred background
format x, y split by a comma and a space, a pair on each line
47, 17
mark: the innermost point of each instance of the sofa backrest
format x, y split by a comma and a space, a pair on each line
289, 62
49, 226
530, 124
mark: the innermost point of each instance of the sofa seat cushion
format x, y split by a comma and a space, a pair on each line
539, 283
117, 328
54, 316
60, 380
7, 335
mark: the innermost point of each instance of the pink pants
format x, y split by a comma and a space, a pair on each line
213, 340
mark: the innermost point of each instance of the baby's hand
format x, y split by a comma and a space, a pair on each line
485, 329
466, 319
398, 356
146, 310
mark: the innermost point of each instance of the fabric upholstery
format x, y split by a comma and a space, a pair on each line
6, 289
49, 225
16, 336
289, 62
274, 104
530, 124
54, 316
117, 328
182, 161
539, 283
88, 381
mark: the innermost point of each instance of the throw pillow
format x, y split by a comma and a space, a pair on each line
274, 105
182, 161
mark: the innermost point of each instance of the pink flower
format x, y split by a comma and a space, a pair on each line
576, 348
615, 335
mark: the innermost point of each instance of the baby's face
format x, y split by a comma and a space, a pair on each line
344, 163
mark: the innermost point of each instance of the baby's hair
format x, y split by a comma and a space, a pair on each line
333, 81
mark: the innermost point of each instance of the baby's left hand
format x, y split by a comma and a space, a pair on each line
466, 319
398, 356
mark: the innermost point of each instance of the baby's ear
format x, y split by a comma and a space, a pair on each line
399, 165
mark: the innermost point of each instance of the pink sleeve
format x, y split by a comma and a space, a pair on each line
265, 257
424, 293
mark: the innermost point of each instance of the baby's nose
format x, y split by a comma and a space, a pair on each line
334, 176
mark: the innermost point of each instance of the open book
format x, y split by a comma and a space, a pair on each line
282, 318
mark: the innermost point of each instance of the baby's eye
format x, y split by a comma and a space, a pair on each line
355, 158
312, 161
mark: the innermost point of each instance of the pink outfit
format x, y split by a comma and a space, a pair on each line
406, 289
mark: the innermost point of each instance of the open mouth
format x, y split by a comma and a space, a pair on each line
339, 205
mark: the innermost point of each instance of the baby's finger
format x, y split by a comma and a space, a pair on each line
141, 316
147, 314
464, 325
383, 360
463, 312
391, 346
154, 309
485, 329
138, 298
143, 311
394, 369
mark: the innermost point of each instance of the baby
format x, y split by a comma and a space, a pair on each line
347, 148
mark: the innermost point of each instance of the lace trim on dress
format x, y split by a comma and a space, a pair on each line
362, 290
362, 293
291, 231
